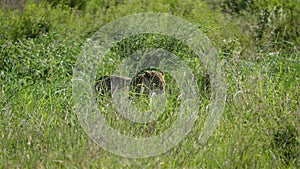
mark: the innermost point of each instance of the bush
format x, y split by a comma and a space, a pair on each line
78, 4
275, 22
38, 19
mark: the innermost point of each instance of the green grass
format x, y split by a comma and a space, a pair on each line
260, 127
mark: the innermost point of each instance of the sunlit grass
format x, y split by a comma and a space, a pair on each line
260, 127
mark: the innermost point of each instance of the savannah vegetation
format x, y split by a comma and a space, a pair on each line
258, 42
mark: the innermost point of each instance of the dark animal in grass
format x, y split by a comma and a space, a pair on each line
148, 82
104, 85
145, 83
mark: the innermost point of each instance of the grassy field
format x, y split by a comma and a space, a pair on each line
258, 43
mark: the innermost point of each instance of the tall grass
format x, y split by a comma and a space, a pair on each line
39, 45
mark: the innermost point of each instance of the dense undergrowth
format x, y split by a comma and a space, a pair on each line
258, 41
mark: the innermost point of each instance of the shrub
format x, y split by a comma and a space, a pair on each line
275, 22
78, 4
